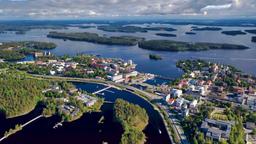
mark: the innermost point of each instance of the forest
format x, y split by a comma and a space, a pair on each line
133, 119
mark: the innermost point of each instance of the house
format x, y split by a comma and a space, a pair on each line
238, 90
169, 100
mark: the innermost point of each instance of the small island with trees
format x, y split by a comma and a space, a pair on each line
155, 57
166, 35
206, 29
133, 119
190, 33
234, 32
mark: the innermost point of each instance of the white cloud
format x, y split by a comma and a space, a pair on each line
216, 7
87, 8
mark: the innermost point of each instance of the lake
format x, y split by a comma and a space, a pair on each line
242, 59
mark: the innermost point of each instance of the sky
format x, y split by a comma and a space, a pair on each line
76, 9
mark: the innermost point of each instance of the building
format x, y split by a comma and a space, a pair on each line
216, 129
52, 72
131, 74
116, 78
130, 62
193, 104
179, 102
38, 54
176, 93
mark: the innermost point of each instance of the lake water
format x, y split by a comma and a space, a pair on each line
86, 129
243, 59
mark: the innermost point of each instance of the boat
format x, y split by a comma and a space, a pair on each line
160, 132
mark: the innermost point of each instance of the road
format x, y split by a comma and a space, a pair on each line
176, 123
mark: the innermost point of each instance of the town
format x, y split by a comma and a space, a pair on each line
209, 103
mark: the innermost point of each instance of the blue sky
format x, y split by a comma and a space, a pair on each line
75, 9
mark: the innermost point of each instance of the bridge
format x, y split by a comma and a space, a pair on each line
99, 91
22, 126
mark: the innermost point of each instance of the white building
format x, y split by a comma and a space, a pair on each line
116, 78
193, 104
131, 74
176, 92
52, 72
179, 102
130, 62
201, 90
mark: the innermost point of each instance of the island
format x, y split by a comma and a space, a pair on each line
95, 38
168, 45
234, 32
120, 28
86, 27
190, 33
166, 35
169, 29
254, 39
251, 31
155, 57
206, 29
132, 29
133, 119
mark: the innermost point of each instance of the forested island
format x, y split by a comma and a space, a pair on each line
254, 39
168, 45
133, 119
233, 33
155, 57
132, 29
95, 38
11, 51
252, 31
119, 28
166, 35
160, 29
86, 27
206, 29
